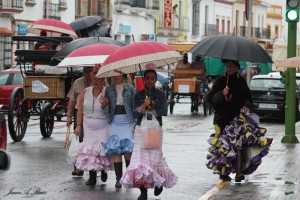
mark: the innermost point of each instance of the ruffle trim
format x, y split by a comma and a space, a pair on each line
92, 157
141, 175
243, 132
116, 146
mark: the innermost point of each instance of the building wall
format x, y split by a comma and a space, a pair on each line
124, 25
224, 11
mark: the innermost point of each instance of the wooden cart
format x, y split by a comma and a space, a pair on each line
189, 83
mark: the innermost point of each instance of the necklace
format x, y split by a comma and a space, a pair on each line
94, 99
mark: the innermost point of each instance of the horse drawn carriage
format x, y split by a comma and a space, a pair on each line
189, 83
40, 84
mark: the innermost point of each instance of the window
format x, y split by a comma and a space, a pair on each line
196, 18
18, 79
5, 54
266, 83
3, 79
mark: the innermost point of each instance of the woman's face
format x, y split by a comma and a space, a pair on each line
98, 82
231, 68
150, 80
118, 79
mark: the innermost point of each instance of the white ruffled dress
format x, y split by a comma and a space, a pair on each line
147, 167
95, 124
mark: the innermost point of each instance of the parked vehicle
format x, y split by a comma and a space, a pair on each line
268, 94
9, 80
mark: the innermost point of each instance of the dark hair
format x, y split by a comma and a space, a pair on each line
236, 63
149, 71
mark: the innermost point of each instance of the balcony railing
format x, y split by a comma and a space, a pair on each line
210, 29
52, 11
11, 6
138, 3
178, 23
63, 5
121, 5
30, 3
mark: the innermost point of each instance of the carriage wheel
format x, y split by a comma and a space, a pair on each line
3, 132
18, 115
46, 121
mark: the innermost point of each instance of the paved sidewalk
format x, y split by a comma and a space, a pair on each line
277, 178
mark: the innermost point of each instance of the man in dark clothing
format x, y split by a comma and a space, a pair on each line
229, 95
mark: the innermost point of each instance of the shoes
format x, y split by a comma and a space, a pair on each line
103, 176
77, 173
144, 194
239, 178
225, 178
158, 190
118, 184
93, 178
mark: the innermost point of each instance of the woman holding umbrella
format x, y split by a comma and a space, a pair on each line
236, 129
119, 97
229, 94
148, 168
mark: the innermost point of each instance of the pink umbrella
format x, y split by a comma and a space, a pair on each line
136, 57
88, 55
53, 27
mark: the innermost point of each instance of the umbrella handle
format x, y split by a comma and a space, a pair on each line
67, 138
228, 97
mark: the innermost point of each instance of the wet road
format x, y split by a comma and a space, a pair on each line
39, 169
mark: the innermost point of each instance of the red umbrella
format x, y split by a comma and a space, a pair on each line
88, 55
135, 57
53, 27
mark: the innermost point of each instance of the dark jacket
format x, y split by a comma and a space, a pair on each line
159, 100
225, 110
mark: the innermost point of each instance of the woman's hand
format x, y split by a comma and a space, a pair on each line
244, 109
78, 130
69, 121
225, 91
103, 101
146, 103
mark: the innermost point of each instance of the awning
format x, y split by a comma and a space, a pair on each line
182, 46
5, 31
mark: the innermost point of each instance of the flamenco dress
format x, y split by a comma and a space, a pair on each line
244, 133
91, 154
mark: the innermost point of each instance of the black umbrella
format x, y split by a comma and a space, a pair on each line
85, 22
98, 30
231, 47
77, 43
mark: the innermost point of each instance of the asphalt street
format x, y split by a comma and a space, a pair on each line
39, 169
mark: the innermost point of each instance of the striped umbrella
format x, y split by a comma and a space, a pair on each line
136, 57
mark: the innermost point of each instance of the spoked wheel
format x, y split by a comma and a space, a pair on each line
46, 120
18, 115
3, 132
39, 105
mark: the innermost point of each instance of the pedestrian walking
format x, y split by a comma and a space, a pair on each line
93, 119
77, 87
231, 99
148, 168
119, 98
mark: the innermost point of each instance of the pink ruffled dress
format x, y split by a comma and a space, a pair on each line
95, 124
147, 167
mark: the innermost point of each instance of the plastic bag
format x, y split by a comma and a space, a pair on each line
72, 153
151, 132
